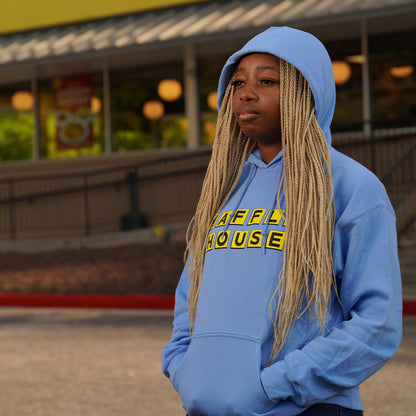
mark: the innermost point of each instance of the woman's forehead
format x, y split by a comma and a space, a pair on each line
259, 59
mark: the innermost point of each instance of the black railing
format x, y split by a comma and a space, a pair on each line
374, 124
159, 191
97, 201
407, 157
391, 157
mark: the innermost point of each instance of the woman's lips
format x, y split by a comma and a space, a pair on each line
247, 114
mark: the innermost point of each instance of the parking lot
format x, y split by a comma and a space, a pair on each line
78, 362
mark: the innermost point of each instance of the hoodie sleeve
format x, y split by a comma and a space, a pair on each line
366, 264
173, 352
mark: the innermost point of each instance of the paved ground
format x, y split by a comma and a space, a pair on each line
107, 362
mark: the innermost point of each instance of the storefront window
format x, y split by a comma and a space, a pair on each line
16, 122
148, 108
71, 117
347, 64
393, 75
209, 76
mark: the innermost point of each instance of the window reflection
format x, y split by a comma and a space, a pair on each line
71, 116
392, 61
63, 132
148, 108
16, 122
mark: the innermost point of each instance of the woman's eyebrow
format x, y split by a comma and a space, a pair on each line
262, 67
273, 68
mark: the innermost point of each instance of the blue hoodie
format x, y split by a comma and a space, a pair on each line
222, 370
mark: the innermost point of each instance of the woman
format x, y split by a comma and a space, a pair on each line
291, 294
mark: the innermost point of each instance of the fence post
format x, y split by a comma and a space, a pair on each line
133, 219
86, 207
12, 216
373, 154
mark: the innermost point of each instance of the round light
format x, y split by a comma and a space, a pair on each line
402, 71
342, 72
212, 100
153, 110
95, 105
169, 89
23, 101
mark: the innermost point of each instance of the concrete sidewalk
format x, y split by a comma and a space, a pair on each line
66, 362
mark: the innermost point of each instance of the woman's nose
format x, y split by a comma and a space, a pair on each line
248, 94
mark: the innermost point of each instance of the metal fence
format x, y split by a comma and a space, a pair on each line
392, 157
162, 191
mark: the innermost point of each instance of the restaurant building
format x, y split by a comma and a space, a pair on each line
93, 78
92, 90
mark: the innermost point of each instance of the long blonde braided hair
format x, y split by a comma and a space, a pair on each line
309, 215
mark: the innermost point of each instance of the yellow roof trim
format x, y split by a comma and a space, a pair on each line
22, 15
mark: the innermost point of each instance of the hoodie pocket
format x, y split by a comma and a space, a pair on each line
220, 375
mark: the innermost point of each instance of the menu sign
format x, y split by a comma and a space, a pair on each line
73, 112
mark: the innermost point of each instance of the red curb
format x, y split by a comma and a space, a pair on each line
161, 302
409, 307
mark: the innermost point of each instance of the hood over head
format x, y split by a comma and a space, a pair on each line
302, 50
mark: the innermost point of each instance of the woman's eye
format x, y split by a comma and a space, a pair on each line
268, 81
237, 83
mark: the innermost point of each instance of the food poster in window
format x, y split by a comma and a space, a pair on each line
73, 112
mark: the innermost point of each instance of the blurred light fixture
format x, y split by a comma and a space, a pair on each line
23, 101
402, 71
153, 110
342, 72
95, 105
355, 59
169, 89
212, 100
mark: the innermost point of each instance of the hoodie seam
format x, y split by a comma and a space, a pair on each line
178, 352
217, 334
347, 222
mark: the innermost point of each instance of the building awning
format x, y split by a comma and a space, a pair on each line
191, 23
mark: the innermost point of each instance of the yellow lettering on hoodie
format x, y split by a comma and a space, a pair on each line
239, 217
256, 216
223, 219
275, 240
276, 217
210, 242
239, 239
222, 239
255, 239
213, 222
266, 217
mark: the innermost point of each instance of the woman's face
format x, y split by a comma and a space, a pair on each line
256, 100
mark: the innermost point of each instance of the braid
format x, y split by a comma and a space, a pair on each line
307, 273
230, 150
